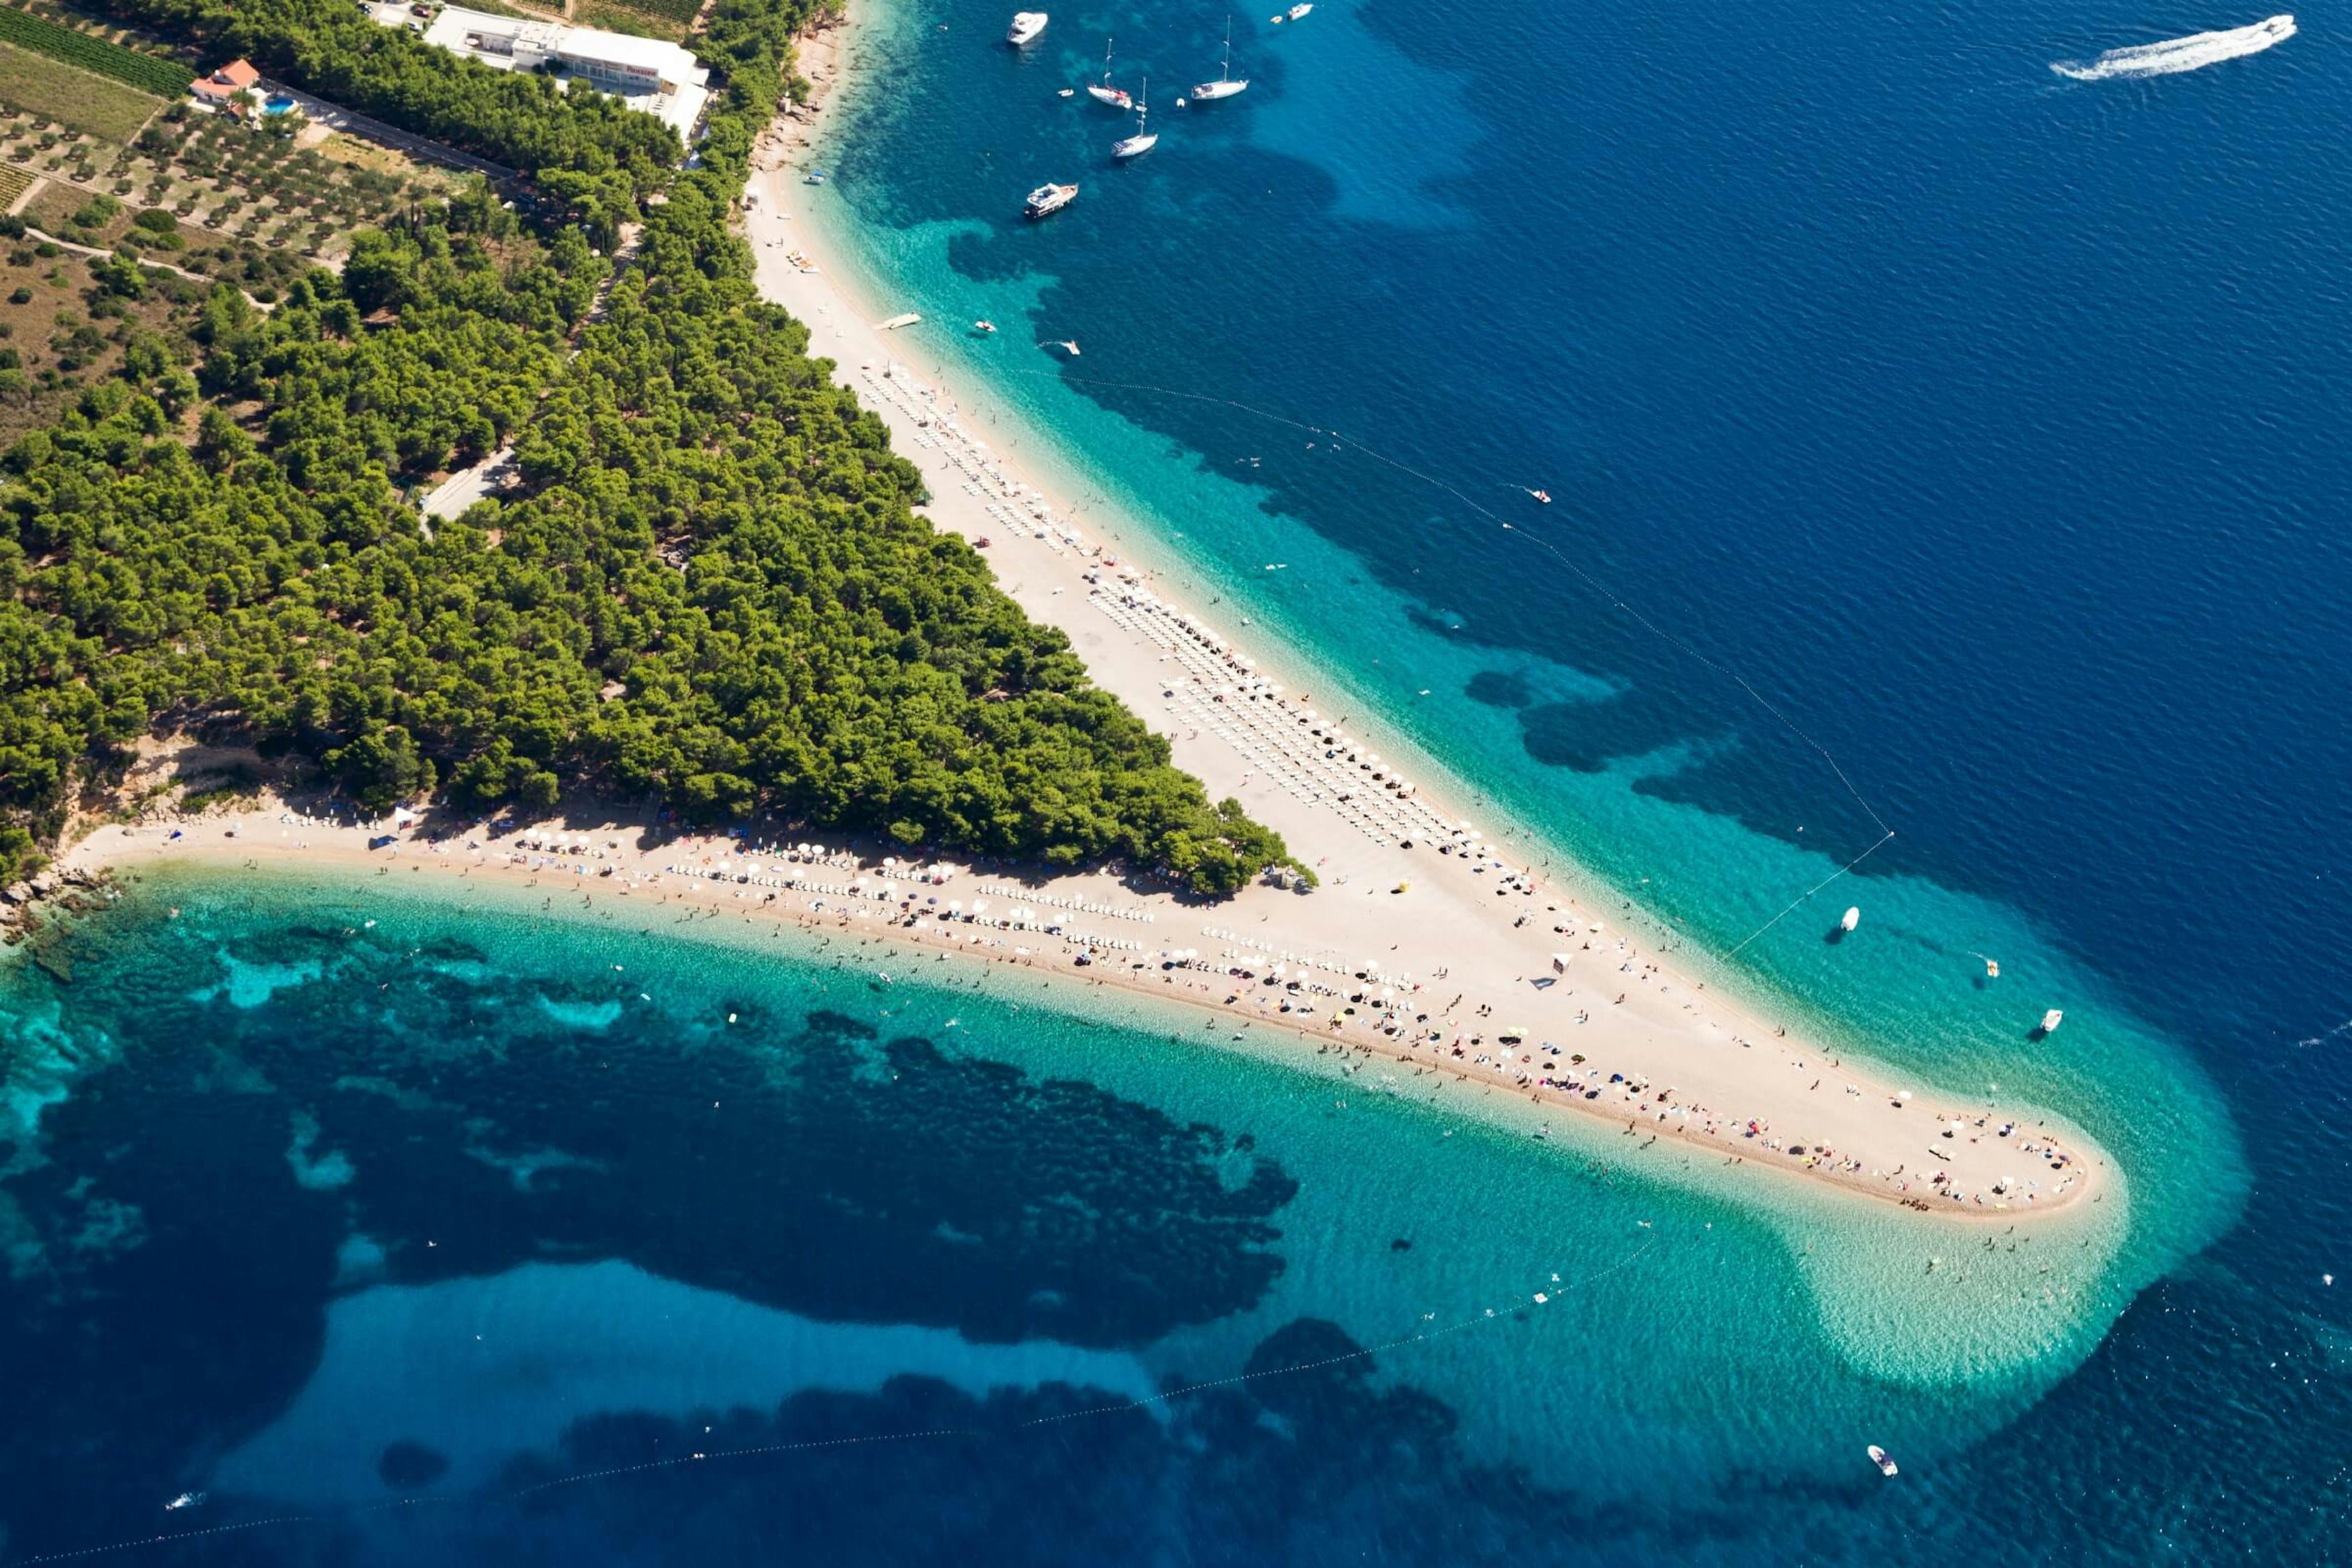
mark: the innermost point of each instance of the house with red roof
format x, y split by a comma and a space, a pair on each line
223, 85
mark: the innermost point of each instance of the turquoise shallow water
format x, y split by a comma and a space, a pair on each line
343, 1193
1628, 747
1987, 423
1895, 395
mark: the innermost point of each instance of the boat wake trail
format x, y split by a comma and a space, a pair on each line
2180, 54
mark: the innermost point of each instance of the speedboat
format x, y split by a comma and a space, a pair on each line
2050, 1022
814, 177
1048, 199
1026, 26
983, 328
1878, 1456
1103, 92
1852, 918
1301, 9
1224, 85
1143, 141
185, 1500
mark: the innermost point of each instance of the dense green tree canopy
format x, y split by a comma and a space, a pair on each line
709, 584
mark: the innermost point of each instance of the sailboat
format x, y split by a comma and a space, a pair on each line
1224, 85
1102, 92
1143, 141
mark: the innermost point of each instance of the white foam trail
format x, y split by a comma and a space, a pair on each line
2180, 54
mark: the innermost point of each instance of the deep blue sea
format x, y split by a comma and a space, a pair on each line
1915, 419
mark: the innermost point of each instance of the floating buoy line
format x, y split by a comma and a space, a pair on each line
1548, 1293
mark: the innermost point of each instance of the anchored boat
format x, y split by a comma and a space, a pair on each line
1026, 26
1048, 199
1143, 141
1224, 85
1103, 92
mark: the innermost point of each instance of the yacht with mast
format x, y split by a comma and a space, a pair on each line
1224, 85
1144, 140
1102, 92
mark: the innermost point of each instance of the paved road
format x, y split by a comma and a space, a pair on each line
461, 489
334, 115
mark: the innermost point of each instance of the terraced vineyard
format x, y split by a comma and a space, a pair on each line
95, 55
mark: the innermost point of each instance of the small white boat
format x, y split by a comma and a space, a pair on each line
1224, 85
1026, 26
185, 1500
1878, 1456
1143, 141
1301, 9
905, 319
1852, 919
983, 328
1068, 346
1048, 199
2050, 1022
1103, 92
814, 177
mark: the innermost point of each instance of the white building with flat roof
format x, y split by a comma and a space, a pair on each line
651, 74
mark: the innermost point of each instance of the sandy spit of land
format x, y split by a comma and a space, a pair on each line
1426, 943
1488, 945
1282, 972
